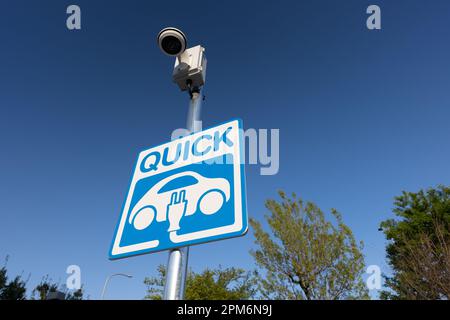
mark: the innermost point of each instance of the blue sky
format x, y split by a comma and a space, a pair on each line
362, 115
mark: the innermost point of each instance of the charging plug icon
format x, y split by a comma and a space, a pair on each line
176, 209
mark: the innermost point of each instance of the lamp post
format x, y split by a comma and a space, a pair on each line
189, 74
109, 278
177, 264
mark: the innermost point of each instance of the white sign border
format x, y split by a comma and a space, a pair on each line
118, 252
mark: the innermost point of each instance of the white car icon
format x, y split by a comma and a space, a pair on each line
204, 194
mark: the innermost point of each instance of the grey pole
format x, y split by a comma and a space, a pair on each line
177, 265
109, 278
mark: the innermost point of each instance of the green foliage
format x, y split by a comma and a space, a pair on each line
211, 284
16, 289
11, 290
3, 278
76, 294
41, 291
218, 284
155, 285
305, 256
418, 249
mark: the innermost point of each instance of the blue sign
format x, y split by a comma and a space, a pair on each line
187, 191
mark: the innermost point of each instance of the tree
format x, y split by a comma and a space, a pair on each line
3, 279
11, 290
419, 246
211, 284
76, 294
16, 289
305, 256
41, 291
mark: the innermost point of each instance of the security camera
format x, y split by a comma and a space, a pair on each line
189, 71
172, 41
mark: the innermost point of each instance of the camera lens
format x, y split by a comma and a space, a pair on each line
171, 45
171, 41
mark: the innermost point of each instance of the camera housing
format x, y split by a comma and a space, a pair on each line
189, 71
172, 41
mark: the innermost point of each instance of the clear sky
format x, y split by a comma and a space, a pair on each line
362, 116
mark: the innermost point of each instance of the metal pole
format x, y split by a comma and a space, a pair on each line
177, 265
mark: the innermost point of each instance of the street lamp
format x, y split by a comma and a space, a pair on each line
107, 281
